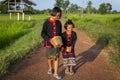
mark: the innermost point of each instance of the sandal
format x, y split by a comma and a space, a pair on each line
71, 73
66, 71
49, 71
57, 76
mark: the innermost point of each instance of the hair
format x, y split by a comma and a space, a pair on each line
55, 10
68, 22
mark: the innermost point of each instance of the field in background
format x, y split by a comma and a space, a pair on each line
18, 38
103, 29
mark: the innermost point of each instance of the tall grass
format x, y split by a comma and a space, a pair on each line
20, 38
10, 32
104, 30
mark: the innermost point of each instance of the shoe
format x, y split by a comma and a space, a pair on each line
71, 73
49, 71
57, 76
66, 71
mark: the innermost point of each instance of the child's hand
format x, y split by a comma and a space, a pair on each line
62, 49
69, 49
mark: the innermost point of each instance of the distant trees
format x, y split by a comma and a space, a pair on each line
102, 9
108, 7
62, 4
114, 12
59, 3
89, 7
105, 8
66, 6
3, 7
73, 8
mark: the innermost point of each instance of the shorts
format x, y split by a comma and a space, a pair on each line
52, 53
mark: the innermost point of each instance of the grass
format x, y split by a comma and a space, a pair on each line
10, 32
104, 30
18, 39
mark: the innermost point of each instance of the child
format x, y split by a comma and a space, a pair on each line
52, 27
69, 38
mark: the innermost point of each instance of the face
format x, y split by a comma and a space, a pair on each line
57, 16
69, 28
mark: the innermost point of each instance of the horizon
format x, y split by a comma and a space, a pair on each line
95, 3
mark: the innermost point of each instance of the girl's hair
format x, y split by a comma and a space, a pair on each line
68, 22
55, 10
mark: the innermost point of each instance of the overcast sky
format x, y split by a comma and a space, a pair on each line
45, 4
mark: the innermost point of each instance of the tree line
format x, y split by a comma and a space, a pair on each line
67, 7
104, 8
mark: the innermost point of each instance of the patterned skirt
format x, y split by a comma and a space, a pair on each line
69, 58
69, 61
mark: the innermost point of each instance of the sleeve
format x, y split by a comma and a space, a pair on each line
44, 32
63, 39
74, 39
60, 29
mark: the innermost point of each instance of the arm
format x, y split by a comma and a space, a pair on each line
74, 38
60, 29
44, 32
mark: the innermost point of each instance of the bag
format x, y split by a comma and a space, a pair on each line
56, 41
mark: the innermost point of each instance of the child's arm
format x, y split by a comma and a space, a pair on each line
44, 32
74, 39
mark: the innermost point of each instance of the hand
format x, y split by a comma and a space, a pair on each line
69, 49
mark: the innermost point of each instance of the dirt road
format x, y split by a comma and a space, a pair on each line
92, 64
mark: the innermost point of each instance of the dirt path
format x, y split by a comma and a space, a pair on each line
92, 64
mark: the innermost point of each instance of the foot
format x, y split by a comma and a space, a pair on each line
66, 71
71, 72
57, 76
49, 71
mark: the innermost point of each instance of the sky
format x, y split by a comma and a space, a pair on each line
45, 4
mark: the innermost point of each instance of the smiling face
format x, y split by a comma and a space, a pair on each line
69, 28
57, 16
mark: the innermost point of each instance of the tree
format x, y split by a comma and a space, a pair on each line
89, 7
108, 7
73, 8
102, 9
65, 5
59, 3
114, 12
94, 10
3, 7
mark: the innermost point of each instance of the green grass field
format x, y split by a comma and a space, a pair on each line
104, 30
18, 39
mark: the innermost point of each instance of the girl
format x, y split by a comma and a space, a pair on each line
52, 27
69, 38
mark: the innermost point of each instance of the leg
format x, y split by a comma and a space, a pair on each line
56, 66
56, 70
50, 64
71, 70
67, 68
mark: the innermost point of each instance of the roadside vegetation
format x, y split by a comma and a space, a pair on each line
18, 39
104, 30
